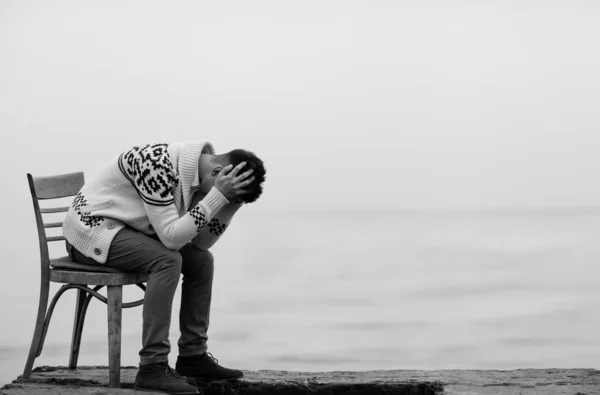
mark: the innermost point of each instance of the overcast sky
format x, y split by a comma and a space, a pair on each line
351, 104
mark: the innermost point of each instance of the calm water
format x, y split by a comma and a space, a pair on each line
358, 290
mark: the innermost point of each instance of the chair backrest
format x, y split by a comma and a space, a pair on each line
51, 187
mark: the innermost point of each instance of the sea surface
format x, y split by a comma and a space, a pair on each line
359, 290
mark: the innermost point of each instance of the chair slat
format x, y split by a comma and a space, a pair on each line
55, 238
54, 210
52, 224
63, 185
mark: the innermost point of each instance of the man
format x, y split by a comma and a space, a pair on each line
158, 209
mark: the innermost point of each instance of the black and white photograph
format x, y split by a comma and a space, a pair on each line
300, 197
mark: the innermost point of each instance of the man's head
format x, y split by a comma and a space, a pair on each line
211, 165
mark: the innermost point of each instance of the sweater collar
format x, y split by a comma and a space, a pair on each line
188, 167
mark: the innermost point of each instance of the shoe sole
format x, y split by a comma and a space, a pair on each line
216, 379
165, 392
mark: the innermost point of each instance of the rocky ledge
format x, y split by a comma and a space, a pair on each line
94, 380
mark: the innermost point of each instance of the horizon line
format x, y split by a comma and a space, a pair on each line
497, 209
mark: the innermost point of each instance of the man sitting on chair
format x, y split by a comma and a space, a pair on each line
158, 208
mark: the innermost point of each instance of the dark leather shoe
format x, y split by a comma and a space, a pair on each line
159, 377
205, 367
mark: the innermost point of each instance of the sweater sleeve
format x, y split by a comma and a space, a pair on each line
151, 172
208, 236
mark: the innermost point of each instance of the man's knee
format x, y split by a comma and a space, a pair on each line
170, 261
206, 257
202, 258
197, 262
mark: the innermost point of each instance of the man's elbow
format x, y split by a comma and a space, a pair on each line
171, 244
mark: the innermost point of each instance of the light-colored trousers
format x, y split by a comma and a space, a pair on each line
132, 251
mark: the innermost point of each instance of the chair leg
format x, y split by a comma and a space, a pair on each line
77, 328
114, 308
39, 325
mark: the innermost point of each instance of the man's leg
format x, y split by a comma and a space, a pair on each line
132, 251
196, 292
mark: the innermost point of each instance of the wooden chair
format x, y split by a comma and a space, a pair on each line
75, 276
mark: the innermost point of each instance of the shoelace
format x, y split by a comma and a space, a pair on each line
172, 372
212, 358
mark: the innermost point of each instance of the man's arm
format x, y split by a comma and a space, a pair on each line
209, 235
151, 172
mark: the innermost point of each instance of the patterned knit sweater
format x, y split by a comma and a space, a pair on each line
148, 188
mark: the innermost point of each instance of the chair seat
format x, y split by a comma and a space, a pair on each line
66, 263
64, 270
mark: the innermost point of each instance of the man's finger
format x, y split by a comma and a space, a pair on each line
245, 175
237, 168
247, 182
225, 170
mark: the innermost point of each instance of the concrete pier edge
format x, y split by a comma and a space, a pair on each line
89, 380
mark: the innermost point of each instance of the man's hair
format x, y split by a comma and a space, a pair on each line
237, 156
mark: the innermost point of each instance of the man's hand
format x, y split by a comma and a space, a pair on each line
230, 184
